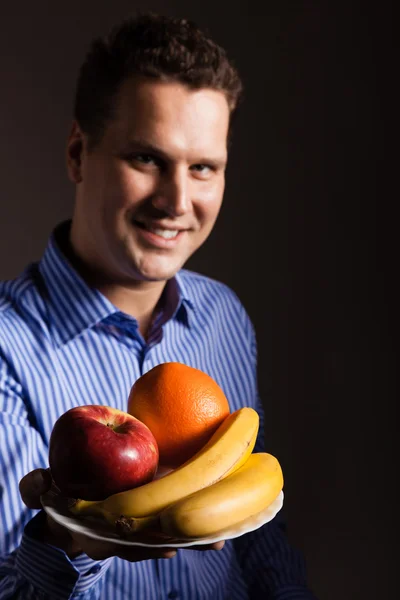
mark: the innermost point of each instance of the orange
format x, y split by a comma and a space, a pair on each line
182, 406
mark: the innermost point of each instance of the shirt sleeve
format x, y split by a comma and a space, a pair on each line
272, 567
30, 569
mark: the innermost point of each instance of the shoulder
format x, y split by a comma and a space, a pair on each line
16, 294
201, 288
212, 296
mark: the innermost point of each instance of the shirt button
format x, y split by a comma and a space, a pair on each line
173, 594
95, 569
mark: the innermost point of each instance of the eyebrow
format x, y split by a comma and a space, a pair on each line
139, 145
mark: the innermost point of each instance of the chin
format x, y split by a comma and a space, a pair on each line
157, 270
158, 275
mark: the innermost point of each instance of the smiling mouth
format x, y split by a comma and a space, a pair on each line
166, 234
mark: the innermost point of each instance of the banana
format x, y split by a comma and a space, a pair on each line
227, 450
244, 493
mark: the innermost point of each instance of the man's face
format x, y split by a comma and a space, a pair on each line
149, 193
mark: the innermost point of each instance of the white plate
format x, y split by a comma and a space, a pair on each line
55, 506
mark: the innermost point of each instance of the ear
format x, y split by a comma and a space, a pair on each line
74, 153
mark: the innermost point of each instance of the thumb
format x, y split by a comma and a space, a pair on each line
33, 485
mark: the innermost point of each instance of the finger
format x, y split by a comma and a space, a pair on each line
218, 545
94, 549
60, 532
214, 546
101, 550
33, 485
134, 555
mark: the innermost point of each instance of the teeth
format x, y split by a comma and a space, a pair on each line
167, 234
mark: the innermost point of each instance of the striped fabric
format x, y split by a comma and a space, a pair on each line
63, 344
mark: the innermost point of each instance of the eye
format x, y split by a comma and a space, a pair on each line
202, 170
145, 159
200, 167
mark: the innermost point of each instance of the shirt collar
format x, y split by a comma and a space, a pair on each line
184, 293
73, 305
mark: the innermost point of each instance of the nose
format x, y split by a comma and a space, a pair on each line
173, 195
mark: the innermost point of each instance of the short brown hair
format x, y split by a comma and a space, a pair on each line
150, 45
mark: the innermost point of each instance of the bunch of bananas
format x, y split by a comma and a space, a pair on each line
220, 486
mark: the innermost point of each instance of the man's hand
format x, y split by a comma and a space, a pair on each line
38, 482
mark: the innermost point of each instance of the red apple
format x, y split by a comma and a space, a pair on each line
96, 451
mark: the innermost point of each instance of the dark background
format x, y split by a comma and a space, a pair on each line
306, 237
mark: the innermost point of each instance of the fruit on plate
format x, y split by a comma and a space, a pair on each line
182, 406
96, 451
226, 451
244, 493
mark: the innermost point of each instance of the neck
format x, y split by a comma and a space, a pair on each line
138, 301
136, 298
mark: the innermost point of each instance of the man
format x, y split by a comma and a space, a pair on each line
109, 300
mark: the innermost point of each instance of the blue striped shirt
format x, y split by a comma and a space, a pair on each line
64, 344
